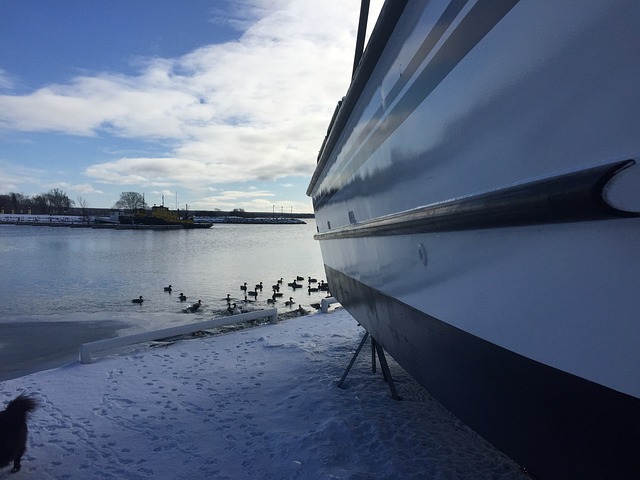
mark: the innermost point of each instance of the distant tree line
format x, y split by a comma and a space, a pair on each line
55, 202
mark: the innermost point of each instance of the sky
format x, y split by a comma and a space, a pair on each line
260, 403
210, 104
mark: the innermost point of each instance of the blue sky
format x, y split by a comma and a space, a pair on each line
220, 104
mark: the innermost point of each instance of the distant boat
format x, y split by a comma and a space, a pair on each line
477, 207
161, 216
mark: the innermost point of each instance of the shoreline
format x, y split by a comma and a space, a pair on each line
33, 345
93, 221
30, 347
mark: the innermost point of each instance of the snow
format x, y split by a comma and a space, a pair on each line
12, 218
255, 403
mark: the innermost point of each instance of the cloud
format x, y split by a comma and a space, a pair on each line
252, 109
229, 199
5, 81
7, 184
241, 194
239, 14
79, 188
12, 177
250, 200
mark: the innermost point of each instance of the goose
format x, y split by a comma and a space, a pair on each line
231, 308
182, 297
167, 289
313, 280
276, 287
252, 293
311, 289
294, 285
259, 286
195, 306
228, 298
279, 281
323, 286
277, 294
299, 278
244, 287
137, 300
315, 305
271, 300
290, 302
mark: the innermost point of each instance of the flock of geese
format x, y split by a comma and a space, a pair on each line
190, 309
312, 285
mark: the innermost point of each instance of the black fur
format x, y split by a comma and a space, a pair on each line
13, 430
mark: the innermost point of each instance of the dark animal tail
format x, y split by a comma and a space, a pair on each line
21, 405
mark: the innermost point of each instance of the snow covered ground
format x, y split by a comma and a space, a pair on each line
256, 403
24, 218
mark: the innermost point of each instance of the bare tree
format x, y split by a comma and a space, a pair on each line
83, 204
40, 204
130, 201
5, 201
17, 201
59, 201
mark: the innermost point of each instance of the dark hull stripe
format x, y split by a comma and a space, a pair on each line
571, 197
475, 25
556, 425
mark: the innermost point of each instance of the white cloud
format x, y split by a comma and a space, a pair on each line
5, 81
7, 184
85, 188
239, 14
250, 200
252, 109
255, 109
12, 177
71, 189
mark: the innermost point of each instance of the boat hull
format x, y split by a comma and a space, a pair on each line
477, 208
555, 424
152, 223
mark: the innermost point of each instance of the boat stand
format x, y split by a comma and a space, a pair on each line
386, 373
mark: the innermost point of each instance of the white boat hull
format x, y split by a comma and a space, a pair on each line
477, 206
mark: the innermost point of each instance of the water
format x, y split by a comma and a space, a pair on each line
57, 272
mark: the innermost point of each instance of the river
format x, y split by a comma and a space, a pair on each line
60, 286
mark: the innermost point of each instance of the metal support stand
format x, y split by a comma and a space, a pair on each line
353, 359
386, 373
